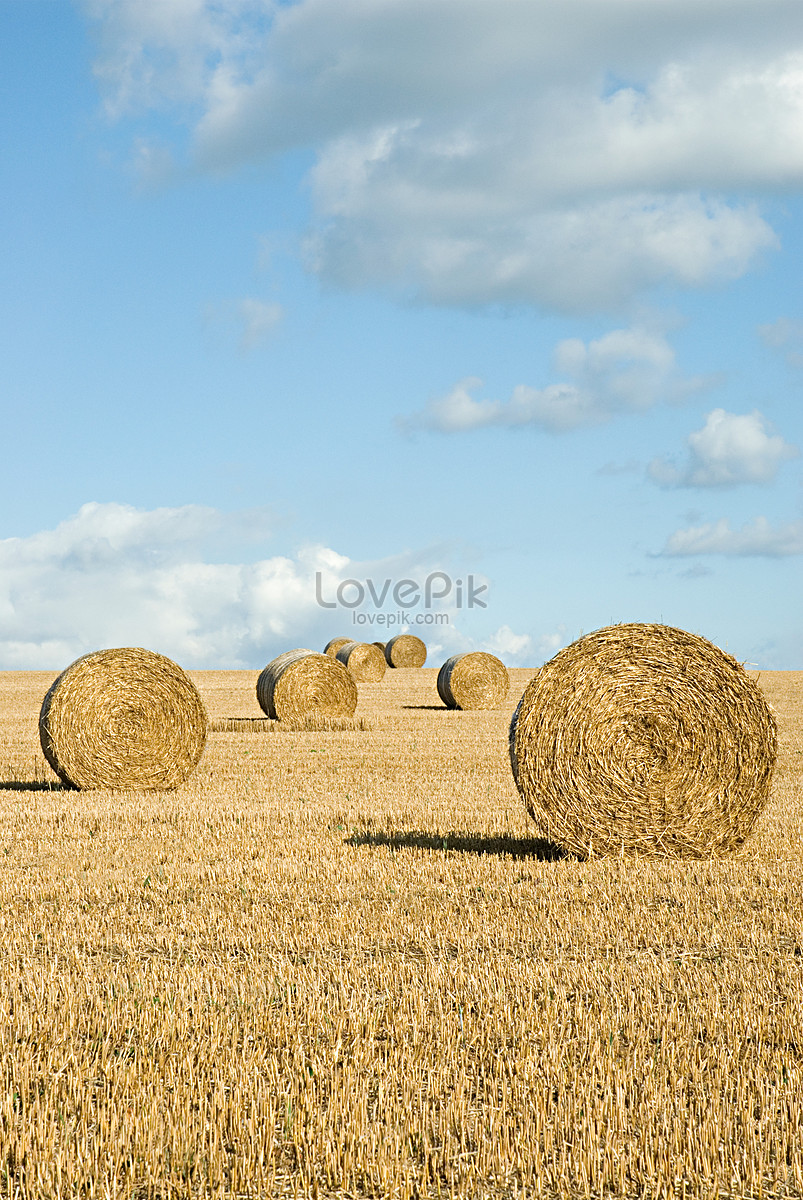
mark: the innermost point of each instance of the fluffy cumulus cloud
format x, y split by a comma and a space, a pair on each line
113, 575
757, 538
626, 370
490, 151
514, 649
730, 449
522, 649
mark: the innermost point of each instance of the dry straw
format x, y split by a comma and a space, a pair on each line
300, 684
331, 648
473, 680
127, 719
643, 739
364, 661
405, 650
311, 724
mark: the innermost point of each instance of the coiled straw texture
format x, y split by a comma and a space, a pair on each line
405, 650
473, 680
301, 684
333, 645
643, 739
364, 661
127, 719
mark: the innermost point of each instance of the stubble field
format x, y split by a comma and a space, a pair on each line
341, 964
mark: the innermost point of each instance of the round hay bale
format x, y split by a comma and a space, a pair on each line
381, 646
473, 680
331, 648
301, 684
405, 650
643, 739
127, 719
364, 661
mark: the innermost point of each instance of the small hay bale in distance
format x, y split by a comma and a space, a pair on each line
301, 683
381, 646
473, 680
364, 661
331, 648
405, 650
643, 739
127, 719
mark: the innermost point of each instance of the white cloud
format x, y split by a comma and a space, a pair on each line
113, 575
730, 449
259, 319
787, 336
757, 538
565, 155
253, 322
514, 649
625, 370
168, 579
520, 649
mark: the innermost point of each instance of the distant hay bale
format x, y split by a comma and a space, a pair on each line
127, 719
331, 648
300, 684
364, 661
381, 646
405, 650
643, 739
473, 680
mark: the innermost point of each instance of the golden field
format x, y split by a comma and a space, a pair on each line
340, 964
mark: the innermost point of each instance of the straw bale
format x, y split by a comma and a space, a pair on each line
381, 646
301, 683
405, 650
333, 645
473, 680
364, 661
128, 719
643, 739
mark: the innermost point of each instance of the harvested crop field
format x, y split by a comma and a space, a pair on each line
338, 963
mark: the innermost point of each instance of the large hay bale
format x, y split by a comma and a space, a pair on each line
364, 661
405, 650
301, 684
127, 719
333, 645
473, 680
643, 739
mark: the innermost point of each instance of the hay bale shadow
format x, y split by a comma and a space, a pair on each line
309, 724
463, 843
38, 785
429, 707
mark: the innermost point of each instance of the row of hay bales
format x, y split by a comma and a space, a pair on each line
131, 718
303, 683
634, 739
470, 680
404, 650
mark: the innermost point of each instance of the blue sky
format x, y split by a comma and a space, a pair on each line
371, 289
